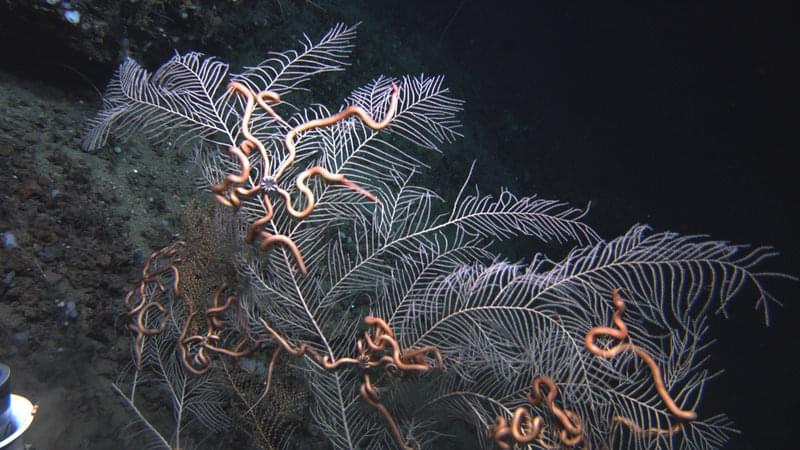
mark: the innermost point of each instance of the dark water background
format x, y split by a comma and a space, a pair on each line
682, 116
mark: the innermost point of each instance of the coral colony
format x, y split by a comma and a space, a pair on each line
394, 307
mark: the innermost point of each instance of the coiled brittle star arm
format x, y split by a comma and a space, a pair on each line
526, 428
621, 333
250, 142
193, 347
219, 190
325, 174
369, 393
310, 201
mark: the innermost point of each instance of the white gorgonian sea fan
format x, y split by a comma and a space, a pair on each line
428, 269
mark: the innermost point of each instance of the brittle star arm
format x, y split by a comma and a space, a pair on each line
343, 114
247, 146
255, 230
304, 349
250, 101
571, 425
261, 99
310, 201
299, 351
525, 428
370, 394
203, 363
325, 174
220, 189
621, 333
398, 360
138, 309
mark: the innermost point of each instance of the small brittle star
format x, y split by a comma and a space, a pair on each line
230, 191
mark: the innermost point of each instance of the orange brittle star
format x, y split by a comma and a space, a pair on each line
379, 349
230, 191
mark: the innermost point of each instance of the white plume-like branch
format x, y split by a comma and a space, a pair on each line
284, 72
503, 324
185, 98
182, 95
